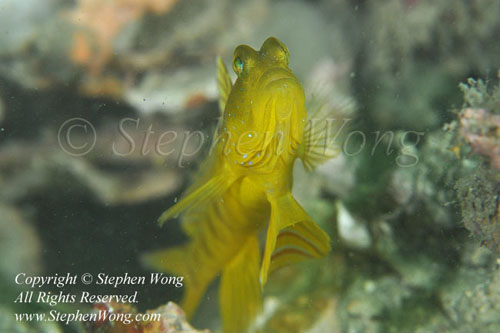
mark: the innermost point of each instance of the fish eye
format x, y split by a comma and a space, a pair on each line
238, 65
243, 59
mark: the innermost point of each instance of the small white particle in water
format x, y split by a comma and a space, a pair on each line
250, 135
258, 155
250, 163
242, 163
245, 156
229, 115
175, 199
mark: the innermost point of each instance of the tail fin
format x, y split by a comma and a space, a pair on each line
177, 261
292, 236
240, 293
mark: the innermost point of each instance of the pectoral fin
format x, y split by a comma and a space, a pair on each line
211, 189
322, 127
240, 292
291, 236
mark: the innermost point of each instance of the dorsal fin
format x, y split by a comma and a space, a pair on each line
223, 84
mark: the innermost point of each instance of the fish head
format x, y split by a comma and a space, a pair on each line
262, 72
266, 105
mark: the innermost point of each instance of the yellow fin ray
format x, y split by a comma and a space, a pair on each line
318, 144
223, 83
177, 260
240, 293
211, 189
298, 242
286, 212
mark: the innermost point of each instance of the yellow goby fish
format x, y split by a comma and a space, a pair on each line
244, 186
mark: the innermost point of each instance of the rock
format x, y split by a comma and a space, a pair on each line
328, 320
472, 300
352, 231
366, 301
171, 320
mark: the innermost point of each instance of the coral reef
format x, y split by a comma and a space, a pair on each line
479, 199
481, 130
172, 320
479, 120
478, 134
470, 298
101, 23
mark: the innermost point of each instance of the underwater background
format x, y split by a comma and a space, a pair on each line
107, 109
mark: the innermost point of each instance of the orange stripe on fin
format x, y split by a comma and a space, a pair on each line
287, 251
289, 233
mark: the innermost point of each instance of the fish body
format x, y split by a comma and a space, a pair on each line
244, 186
